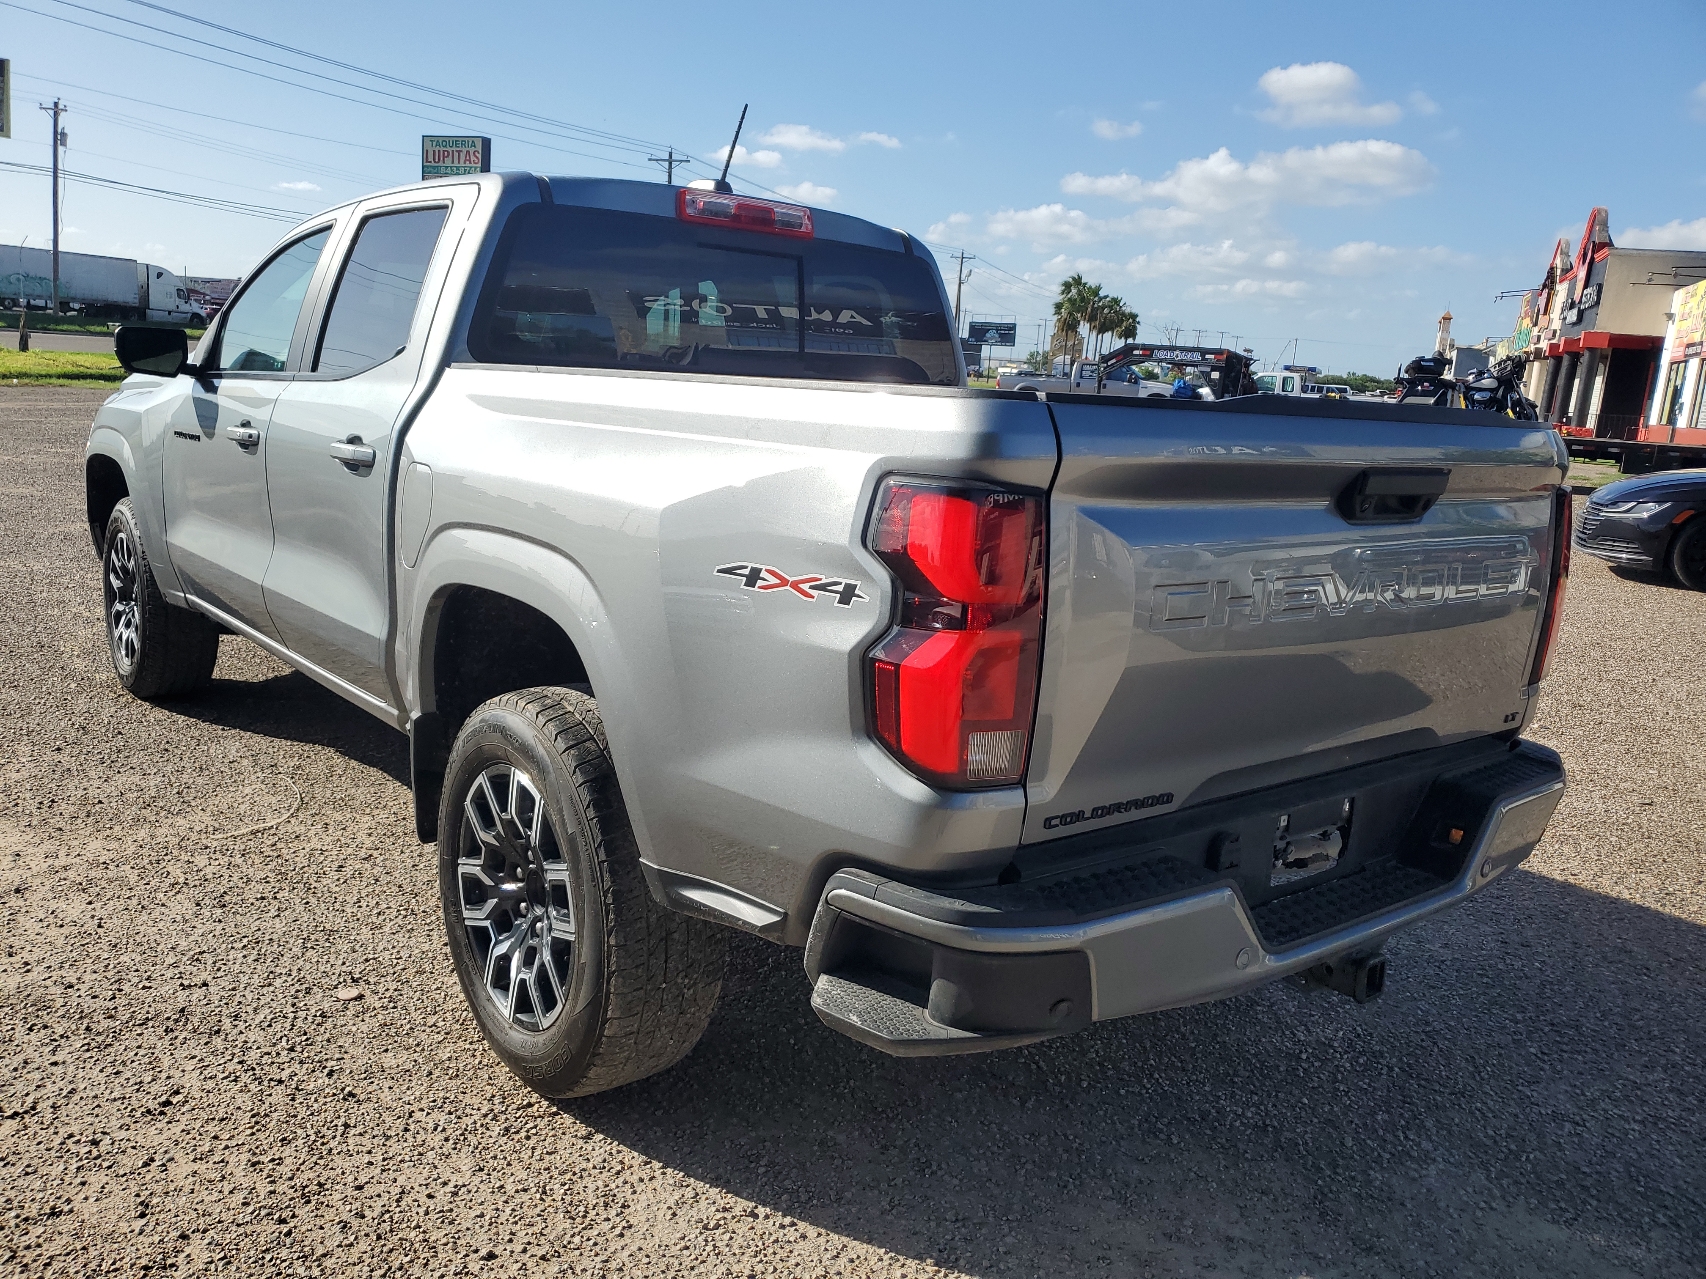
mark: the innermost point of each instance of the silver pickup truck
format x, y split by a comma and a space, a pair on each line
662, 521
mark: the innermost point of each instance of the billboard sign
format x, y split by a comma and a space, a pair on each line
983, 333
446, 157
5, 97
1690, 323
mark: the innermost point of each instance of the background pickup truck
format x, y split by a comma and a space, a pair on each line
1087, 379
709, 596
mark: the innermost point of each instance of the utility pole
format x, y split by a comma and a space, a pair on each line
669, 162
56, 110
960, 283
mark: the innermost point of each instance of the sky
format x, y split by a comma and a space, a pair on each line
1317, 182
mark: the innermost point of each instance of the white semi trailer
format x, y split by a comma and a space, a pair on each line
97, 286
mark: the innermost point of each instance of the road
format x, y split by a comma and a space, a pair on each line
99, 342
187, 888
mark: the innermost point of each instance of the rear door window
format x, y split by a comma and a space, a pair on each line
373, 305
595, 288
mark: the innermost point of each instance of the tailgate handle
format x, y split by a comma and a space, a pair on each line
1392, 495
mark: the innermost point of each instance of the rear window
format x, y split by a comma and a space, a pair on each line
593, 288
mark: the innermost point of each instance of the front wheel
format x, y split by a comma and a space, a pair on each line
158, 650
1688, 554
578, 979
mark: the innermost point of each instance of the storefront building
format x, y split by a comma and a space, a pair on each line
1678, 411
1593, 331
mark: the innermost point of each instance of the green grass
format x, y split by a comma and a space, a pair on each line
42, 322
59, 368
1593, 474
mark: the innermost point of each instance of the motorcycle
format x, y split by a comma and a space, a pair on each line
1425, 379
1496, 390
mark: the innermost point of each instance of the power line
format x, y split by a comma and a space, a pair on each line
342, 97
954, 250
579, 133
184, 136
176, 173
202, 115
630, 143
179, 197
624, 145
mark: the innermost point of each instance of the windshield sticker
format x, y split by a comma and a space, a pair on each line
807, 586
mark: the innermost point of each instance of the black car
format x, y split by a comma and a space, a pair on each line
1650, 522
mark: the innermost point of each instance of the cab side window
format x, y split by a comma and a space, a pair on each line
373, 305
260, 323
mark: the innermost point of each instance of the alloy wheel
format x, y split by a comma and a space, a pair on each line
124, 620
512, 876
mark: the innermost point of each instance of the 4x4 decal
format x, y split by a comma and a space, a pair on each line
808, 586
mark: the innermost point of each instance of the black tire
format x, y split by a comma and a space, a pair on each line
604, 986
158, 650
1688, 554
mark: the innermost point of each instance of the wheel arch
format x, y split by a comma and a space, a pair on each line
108, 475
494, 613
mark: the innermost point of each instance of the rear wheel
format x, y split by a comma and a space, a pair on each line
578, 979
158, 650
1688, 554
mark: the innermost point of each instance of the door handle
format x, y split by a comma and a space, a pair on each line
245, 435
353, 453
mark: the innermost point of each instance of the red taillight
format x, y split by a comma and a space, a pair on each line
1562, 531
954, 684
744, 212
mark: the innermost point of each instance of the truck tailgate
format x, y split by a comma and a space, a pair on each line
1221, 619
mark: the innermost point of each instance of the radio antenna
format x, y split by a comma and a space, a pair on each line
723, 179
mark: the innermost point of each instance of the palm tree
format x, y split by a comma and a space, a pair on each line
1104, 317
1125, 324
1070, 310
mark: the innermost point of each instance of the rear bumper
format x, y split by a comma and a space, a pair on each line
919, 972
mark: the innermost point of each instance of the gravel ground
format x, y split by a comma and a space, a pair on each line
191, 892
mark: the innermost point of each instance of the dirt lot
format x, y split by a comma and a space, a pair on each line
187, 889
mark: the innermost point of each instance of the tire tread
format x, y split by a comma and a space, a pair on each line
663, 970
179, 645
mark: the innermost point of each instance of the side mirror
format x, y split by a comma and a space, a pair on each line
158, 352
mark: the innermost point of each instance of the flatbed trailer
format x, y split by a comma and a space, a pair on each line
1636, 457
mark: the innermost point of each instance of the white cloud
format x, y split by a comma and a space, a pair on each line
1325, 176
1316, 93
1698, 98
1366, 257
801, 137
880, 139
1187, 259
297, 186
1421, 104
808, 193
1672, 235
953, 222
1114, 130
1046, 225
750, 159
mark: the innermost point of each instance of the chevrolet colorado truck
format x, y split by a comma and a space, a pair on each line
663, 522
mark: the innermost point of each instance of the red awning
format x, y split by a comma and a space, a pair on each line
1598, 341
